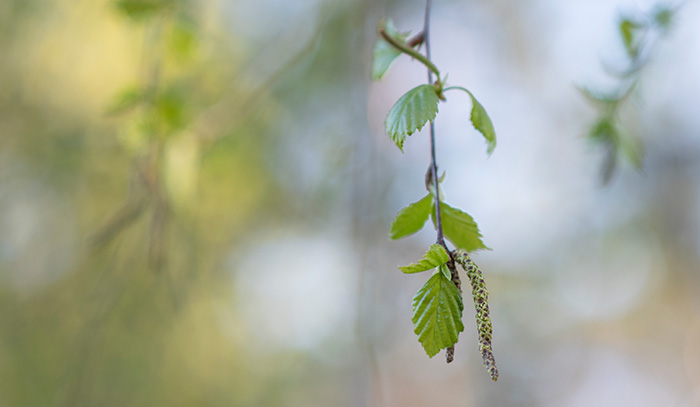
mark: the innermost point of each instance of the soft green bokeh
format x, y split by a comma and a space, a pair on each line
195, 198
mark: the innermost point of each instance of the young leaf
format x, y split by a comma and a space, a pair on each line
459, 228
411, 219
384, 53
411, 112
437, 314
605, 131
482, 122
627, 29
434, 257
445, 271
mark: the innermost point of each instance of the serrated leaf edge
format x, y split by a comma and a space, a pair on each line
454, 305
443, 204
399, 137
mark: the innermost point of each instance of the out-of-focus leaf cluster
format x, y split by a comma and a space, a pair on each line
90, 94
639, 35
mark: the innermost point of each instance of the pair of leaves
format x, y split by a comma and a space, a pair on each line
419, 105
437, 306
458, 226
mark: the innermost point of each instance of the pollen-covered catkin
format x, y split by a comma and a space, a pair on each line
481, 304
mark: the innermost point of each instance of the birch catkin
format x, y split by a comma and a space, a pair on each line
481, 304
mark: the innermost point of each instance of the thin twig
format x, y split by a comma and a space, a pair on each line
433, 160
450, 352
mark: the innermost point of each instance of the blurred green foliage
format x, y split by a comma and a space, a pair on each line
134, 129
639, 36
143, 154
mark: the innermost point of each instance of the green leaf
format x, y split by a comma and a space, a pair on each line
141, 9
617, 144
459, 228
434, 257
411, 112
126, 100
411, 219
605, 131
445, 271
482, 122
384, 53
663, 17
437, 314
627, 30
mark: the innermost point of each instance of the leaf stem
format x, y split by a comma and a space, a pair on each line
399, 45
456, 88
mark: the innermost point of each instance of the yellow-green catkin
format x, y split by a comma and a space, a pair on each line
481, 304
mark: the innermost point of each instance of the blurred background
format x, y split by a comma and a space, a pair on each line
195, 199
